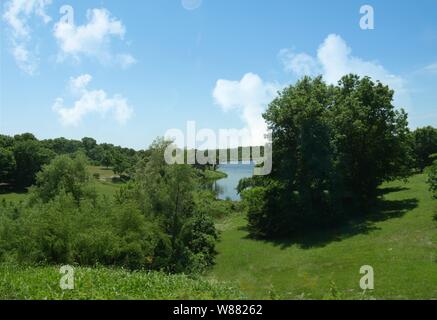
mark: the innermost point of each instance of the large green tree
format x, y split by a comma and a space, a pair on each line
332, 147
370, 136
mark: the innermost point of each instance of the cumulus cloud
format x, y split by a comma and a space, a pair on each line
92, 39
17, 15
91, 101
334, 59
299, 63
248, 96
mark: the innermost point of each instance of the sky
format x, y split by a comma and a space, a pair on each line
125, 72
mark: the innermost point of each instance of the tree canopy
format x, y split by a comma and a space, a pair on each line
332, 147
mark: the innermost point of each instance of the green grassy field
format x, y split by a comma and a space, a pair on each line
399, 241
101, 283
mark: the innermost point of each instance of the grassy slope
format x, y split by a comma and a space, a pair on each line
400, 243
102, 283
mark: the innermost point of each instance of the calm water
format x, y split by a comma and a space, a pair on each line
226, 187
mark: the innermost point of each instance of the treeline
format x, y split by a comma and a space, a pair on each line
161, 219
332, 147
22, 156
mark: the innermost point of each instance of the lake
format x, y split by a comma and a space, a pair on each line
226, 188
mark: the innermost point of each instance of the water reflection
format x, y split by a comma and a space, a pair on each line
226, 188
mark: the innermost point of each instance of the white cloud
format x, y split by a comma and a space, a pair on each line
92, 39
432, 68
125, 60
17, 15
91, 101
249, 97
299, 63
334, 60
191, 4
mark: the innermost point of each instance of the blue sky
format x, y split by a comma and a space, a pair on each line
127, 71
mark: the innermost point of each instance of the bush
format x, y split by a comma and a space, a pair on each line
153, 222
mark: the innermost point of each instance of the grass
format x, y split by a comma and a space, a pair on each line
104, 173
42, 283
399, 241
13, 196
214, 175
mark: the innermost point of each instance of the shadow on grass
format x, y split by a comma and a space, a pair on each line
383, 210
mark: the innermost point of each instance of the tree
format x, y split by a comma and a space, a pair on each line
165, 193
333, 146
107, 158
120, 163
425, 144
7, 164
370, 135
432, 177
29, 156
64, 174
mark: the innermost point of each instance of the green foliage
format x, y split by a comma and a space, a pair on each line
425, 144
157, 221
30, 156
432, 179
7, 164
64, 173
333, 146
42, 283
166, 194
22, 156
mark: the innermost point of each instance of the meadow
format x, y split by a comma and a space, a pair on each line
42, 283
399, 240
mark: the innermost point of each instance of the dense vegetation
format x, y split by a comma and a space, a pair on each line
22, 156
160, 220
333, 146
432, 177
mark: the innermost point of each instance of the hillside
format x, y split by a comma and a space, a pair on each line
399, 241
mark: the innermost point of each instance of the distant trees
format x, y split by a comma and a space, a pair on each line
333, 146
29, 157
425, 144
22, 156
7, 164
